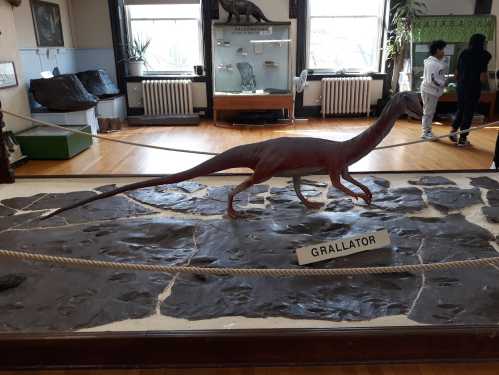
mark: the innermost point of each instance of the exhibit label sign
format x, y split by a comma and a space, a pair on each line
344, 247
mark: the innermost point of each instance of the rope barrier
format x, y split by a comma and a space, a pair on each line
251, 272
104, 138
213, 153
294, 272
490, 124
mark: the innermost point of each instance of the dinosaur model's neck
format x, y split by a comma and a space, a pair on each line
358, 147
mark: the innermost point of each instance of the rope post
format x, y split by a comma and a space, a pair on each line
6, 172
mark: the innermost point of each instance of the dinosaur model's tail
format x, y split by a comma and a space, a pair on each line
227, 160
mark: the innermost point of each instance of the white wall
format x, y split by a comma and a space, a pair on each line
13, 99
91, 24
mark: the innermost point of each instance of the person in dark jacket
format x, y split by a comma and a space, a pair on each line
471, 74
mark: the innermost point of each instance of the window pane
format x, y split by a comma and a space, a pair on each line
320, 8
165, 11
175, 45
336, 45
175, 34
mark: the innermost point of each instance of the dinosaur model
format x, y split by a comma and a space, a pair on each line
240, 8
291, 157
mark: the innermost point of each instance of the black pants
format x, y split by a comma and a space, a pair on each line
467, 103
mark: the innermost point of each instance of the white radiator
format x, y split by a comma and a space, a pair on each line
344, 96
172, 97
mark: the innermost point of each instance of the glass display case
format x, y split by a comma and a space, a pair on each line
251, 59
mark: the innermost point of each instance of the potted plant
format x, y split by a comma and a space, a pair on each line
403, 14
136, 56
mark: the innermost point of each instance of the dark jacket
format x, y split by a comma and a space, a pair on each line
471, 65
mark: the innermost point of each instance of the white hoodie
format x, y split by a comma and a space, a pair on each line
434, 76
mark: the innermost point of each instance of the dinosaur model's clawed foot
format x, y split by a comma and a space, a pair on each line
365, 197
314, 205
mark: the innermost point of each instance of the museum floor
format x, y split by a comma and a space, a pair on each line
112, 158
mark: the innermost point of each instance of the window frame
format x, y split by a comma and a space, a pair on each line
381, 40
200, 47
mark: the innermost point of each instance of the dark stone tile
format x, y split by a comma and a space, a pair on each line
270, 243
213, 203
53, 298
342, 205
58, 200
5, 211
106, 188
21, 202
154, 197
408, 199
461, 296
432, 181
492, 214
485, 182
188, 186
10, 281
493, 197
306, 182
375, 184
286, 197
17, 220
453, 198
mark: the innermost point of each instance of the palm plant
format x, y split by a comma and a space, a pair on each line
404, 12
137, 49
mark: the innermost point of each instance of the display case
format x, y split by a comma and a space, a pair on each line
252, 66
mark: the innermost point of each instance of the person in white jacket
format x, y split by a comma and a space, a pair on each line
432, 88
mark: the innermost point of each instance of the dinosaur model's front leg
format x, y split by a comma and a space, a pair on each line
230, 17
368, 195
336, 181
305, 201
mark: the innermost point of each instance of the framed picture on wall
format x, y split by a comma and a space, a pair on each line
48, 24
8, 76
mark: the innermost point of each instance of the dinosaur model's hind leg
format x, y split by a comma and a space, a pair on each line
305, 201
230, 17
368, 195
238, 189
336, 181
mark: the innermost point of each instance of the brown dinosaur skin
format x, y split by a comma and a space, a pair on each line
240, 8
291, 157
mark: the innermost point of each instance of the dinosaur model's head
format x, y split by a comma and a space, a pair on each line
410, 102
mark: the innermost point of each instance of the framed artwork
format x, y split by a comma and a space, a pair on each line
48, 24
8, 76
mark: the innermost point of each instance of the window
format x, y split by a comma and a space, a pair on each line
345, 36
175, 32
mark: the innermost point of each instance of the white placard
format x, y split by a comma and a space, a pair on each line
450, 50
420, 48
344, 247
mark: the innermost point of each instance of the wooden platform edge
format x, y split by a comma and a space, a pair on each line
263, 348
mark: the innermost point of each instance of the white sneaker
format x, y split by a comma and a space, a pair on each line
428, 136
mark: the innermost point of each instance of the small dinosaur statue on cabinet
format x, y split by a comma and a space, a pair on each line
240, 8
291, 157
